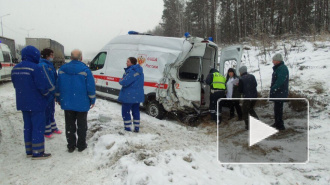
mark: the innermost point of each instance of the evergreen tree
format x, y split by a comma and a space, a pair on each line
229, 21
172, 18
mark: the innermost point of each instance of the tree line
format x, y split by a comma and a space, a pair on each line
229, 21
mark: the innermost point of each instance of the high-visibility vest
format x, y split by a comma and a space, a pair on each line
219, 81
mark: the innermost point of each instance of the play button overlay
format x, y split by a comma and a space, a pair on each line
253, 140
259, 131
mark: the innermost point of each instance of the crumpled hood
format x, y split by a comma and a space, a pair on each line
30, 53
74, 67
136, 68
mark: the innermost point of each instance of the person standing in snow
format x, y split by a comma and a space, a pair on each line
131, 94
248, 87
75, 92
32, 90
46, 64
279, 89
232, 92
217, 83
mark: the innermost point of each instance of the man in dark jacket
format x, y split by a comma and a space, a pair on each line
32, 91
279, 89
248, 87
75, 92
132, 93
217, 83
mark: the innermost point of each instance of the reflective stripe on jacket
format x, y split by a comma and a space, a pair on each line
219, 81
75, 87
30, 82
51, 75
132, 85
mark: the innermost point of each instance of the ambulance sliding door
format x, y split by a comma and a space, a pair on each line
116, 62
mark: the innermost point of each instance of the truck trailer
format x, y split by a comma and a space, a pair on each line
42, 43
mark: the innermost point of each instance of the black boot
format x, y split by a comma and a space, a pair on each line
71, 149
247, 125
220, 119
42, 156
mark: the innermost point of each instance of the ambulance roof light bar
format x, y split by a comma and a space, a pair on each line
137, 33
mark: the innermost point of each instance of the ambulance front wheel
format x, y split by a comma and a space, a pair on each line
155, 109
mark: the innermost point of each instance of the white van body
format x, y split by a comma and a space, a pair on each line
174, 71
6, 62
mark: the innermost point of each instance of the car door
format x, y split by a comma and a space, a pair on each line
6, 64
2, 68
97, 66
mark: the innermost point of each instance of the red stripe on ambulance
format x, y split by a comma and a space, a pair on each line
116, 79
7, 65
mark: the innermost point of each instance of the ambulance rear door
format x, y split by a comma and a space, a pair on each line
230, 58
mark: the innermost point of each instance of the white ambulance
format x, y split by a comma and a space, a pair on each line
174, 71
6, 62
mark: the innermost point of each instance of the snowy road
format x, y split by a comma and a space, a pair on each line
163, 153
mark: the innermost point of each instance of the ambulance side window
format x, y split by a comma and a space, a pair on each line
190, 69
6, 56
98, 62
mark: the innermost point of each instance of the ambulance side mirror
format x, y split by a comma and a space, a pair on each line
92, 66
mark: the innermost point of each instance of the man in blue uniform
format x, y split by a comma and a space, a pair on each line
32, 88
45, 62
75, 92
132, 93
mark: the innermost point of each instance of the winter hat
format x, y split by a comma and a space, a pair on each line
277, 57
243, 69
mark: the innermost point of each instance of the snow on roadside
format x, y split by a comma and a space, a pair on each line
165, 151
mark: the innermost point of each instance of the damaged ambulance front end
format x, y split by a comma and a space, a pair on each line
187, 95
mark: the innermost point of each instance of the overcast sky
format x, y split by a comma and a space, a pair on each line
84, 24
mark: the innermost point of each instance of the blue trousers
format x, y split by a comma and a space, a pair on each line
50, 120
34, 128
126, 114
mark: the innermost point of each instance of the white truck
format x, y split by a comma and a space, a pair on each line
42, 43
174, 71
6, 62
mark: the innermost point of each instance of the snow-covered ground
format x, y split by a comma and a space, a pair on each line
167, 152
